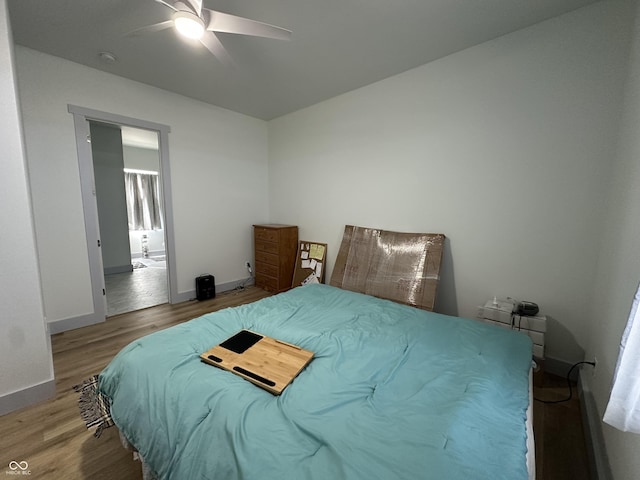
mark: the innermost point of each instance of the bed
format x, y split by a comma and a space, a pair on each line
393, 391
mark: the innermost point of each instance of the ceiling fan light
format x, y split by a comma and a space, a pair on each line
188, 24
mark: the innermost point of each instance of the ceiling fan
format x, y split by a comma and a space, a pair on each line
194, 21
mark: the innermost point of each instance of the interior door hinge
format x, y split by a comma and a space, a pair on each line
104, 292
99, 243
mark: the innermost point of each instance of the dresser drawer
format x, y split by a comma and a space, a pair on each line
536, 337
267, 234
266, 282
264, 257
537, 323
268, 247
266, 269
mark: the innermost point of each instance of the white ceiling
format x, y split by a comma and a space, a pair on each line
336, 46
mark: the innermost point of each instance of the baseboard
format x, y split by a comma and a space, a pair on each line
59, 326
27, 397
594, 438
558, 367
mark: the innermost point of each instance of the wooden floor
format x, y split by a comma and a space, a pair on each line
560, 443
52, 438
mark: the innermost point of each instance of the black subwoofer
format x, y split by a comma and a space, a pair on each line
205, 287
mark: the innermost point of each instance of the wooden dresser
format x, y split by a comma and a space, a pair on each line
276, 247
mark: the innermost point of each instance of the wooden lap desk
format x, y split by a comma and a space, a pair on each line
267, 362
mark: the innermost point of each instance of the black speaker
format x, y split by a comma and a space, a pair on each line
205, 287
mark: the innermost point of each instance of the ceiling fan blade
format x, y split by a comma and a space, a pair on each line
227, 23
212, 43
156, 27
196, 5
167, 4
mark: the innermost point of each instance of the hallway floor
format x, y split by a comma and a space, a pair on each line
143, 287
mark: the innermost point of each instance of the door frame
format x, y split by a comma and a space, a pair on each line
81, 118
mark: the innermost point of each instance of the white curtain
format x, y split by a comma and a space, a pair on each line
143, 201
623, 410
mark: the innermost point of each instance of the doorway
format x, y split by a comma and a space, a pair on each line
126, 166
103, 265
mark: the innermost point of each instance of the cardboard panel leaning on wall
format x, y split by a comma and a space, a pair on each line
404, 267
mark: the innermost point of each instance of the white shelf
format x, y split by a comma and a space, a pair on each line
500, 314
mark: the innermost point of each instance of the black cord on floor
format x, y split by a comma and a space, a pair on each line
242, 284
568, 383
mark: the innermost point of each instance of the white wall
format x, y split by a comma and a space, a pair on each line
618, 271
218, 171
25, 351
503, 147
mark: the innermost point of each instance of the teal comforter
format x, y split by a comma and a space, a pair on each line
393, 392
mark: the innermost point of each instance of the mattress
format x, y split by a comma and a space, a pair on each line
392, 392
